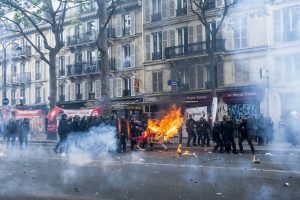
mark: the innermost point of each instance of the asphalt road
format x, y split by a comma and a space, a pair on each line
38, 173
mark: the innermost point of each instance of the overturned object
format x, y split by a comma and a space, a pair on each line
255, 160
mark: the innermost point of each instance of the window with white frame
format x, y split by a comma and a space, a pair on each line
240, 33
242, 71
157, 46
91, 27
38, 42
286, 24
126, 56
157, 81
126, 24
62, 66
38, 70
38, 96
287, 68
156, 6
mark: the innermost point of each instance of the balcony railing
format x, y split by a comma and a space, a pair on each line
126, 93
38, 76
18, 78
155, 17
192, 49
126, 31
112, 64
157, 56
62, 98
111, 32
87, 37
92, 96
83, 68
181, 11
78, 97
25, 51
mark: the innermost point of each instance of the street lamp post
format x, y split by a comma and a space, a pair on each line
4, 74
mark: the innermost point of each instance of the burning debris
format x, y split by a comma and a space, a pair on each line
167, 126
180, 153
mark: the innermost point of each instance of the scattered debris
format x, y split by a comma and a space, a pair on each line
286, 184
255, 160
118, 157
230, 161
180, 154
160, 151
2, 154
219, 193
26, 164
142, 159
269, 154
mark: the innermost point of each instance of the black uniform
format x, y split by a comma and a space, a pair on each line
12, 132
228, 137
23, 133
243, 135
217, 137
203, 130
190, 129
63, 131
123, 135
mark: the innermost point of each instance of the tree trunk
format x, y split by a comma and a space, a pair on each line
105, 70
52, 79
212, 64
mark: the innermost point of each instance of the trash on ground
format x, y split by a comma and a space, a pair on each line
286, 184
269, 154
219, 193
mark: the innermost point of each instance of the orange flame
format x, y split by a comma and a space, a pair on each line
167, 126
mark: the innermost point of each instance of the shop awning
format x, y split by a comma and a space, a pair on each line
125, 103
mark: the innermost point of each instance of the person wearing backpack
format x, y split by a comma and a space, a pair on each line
12, 132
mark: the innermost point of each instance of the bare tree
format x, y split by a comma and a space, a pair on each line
212, 19
41, 15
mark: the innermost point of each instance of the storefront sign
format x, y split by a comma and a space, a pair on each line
242, 96
199, 98
81, 113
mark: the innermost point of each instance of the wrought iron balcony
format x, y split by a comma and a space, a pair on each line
112, 64
92, 96
25, 51
19, 78
209, 5
83, 68
78, 97
126, 93
111, 32
126, 31
62, 98
155, 17
84, 38
157, 56
38, 76
181, 11
192, 49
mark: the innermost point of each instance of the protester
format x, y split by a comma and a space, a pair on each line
24, 133
11, 132
63, 131
228, 137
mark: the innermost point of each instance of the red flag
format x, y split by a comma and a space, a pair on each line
96, 111
51, 115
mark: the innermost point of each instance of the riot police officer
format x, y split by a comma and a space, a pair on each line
228, 136
190, 129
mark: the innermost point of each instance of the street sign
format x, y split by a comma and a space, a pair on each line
172, 82
5, 101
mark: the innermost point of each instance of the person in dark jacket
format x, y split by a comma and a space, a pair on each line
244, 135
228, 137
11, 132
217, 137
123, 133
23, 133
203, 130
63, 131
190, 129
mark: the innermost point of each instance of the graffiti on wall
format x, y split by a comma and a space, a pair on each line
238, 111
37, 125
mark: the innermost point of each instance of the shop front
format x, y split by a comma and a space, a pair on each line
132, 107
242, 103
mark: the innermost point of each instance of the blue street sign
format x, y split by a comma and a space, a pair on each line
172, 82
5, 101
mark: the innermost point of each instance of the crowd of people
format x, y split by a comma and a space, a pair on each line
16, 129
225, 133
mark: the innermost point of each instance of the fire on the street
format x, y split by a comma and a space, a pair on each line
179, 152
167, 126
